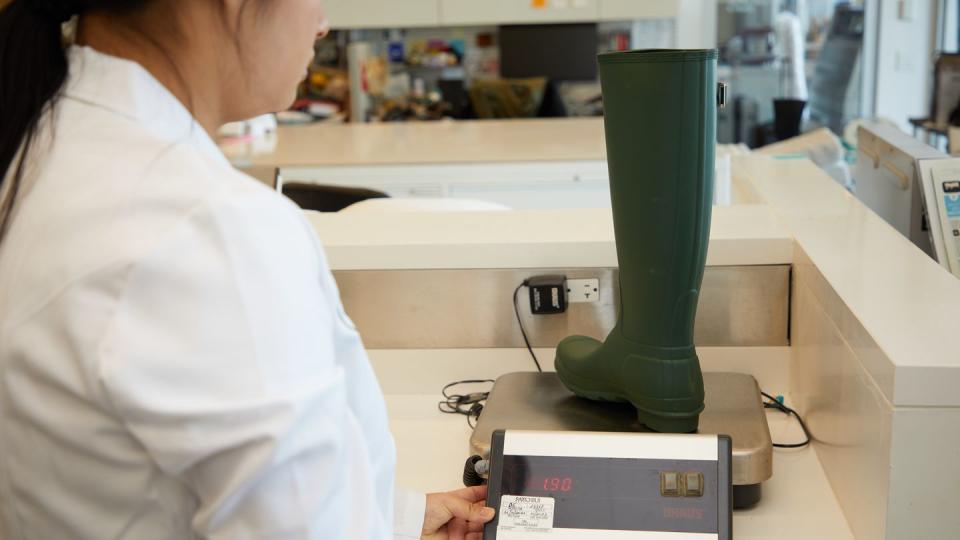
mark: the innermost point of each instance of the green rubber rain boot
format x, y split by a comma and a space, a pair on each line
660, 117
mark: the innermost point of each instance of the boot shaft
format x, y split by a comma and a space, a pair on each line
660, 120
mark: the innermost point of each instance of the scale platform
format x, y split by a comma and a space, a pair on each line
539, 402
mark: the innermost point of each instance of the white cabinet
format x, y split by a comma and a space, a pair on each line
520, 185
457, 12
625, 10
382, 13
346, 14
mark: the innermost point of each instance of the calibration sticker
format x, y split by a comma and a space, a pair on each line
526, 513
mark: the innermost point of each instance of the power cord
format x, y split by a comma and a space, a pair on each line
776, 403
516, 310
469, 405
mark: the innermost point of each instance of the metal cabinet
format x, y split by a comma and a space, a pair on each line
382, 13
457, 12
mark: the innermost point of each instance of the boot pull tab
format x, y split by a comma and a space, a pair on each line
721, 95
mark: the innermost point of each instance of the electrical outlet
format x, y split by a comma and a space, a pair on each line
583, 291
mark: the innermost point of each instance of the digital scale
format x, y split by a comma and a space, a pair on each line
941, 185
578, 485
538, 402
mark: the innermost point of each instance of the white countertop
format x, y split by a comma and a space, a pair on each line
479, 141
488, 142
906, 302
741, 235
797, 502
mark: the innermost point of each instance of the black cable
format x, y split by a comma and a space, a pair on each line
775, 403
516, 310
469, 405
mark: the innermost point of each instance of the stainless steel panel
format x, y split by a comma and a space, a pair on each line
434, 309
539, 402
744, 306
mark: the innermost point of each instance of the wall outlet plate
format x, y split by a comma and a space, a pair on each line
580, 291
905, 10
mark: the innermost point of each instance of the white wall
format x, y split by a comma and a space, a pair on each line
903, 53
950, 41
697, 24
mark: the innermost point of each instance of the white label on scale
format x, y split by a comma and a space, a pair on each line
529, 514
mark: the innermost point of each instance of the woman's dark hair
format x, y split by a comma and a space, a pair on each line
33, 70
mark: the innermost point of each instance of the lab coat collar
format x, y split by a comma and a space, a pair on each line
126, 88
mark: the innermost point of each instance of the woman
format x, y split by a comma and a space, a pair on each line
174, 358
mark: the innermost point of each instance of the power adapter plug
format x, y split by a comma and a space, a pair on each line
548, 294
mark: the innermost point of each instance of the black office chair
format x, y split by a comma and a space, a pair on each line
552, 105
327, 198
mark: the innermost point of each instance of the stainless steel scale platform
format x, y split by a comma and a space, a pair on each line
540, 402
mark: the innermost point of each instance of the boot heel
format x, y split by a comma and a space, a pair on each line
669, 424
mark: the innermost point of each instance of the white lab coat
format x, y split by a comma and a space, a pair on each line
175, 361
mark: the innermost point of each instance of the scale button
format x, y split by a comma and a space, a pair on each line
694, 482
669, 484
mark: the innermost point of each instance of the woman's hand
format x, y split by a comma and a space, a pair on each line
456, 515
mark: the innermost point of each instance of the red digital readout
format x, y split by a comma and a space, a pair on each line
554, 484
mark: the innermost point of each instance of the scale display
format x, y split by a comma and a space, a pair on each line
618, 494
609, 486
941, 190
949, 195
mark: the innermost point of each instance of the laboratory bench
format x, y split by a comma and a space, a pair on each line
414, 143
798, 503
558, 163
805, 288
523, 164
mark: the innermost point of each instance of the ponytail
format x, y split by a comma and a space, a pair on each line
33, 69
